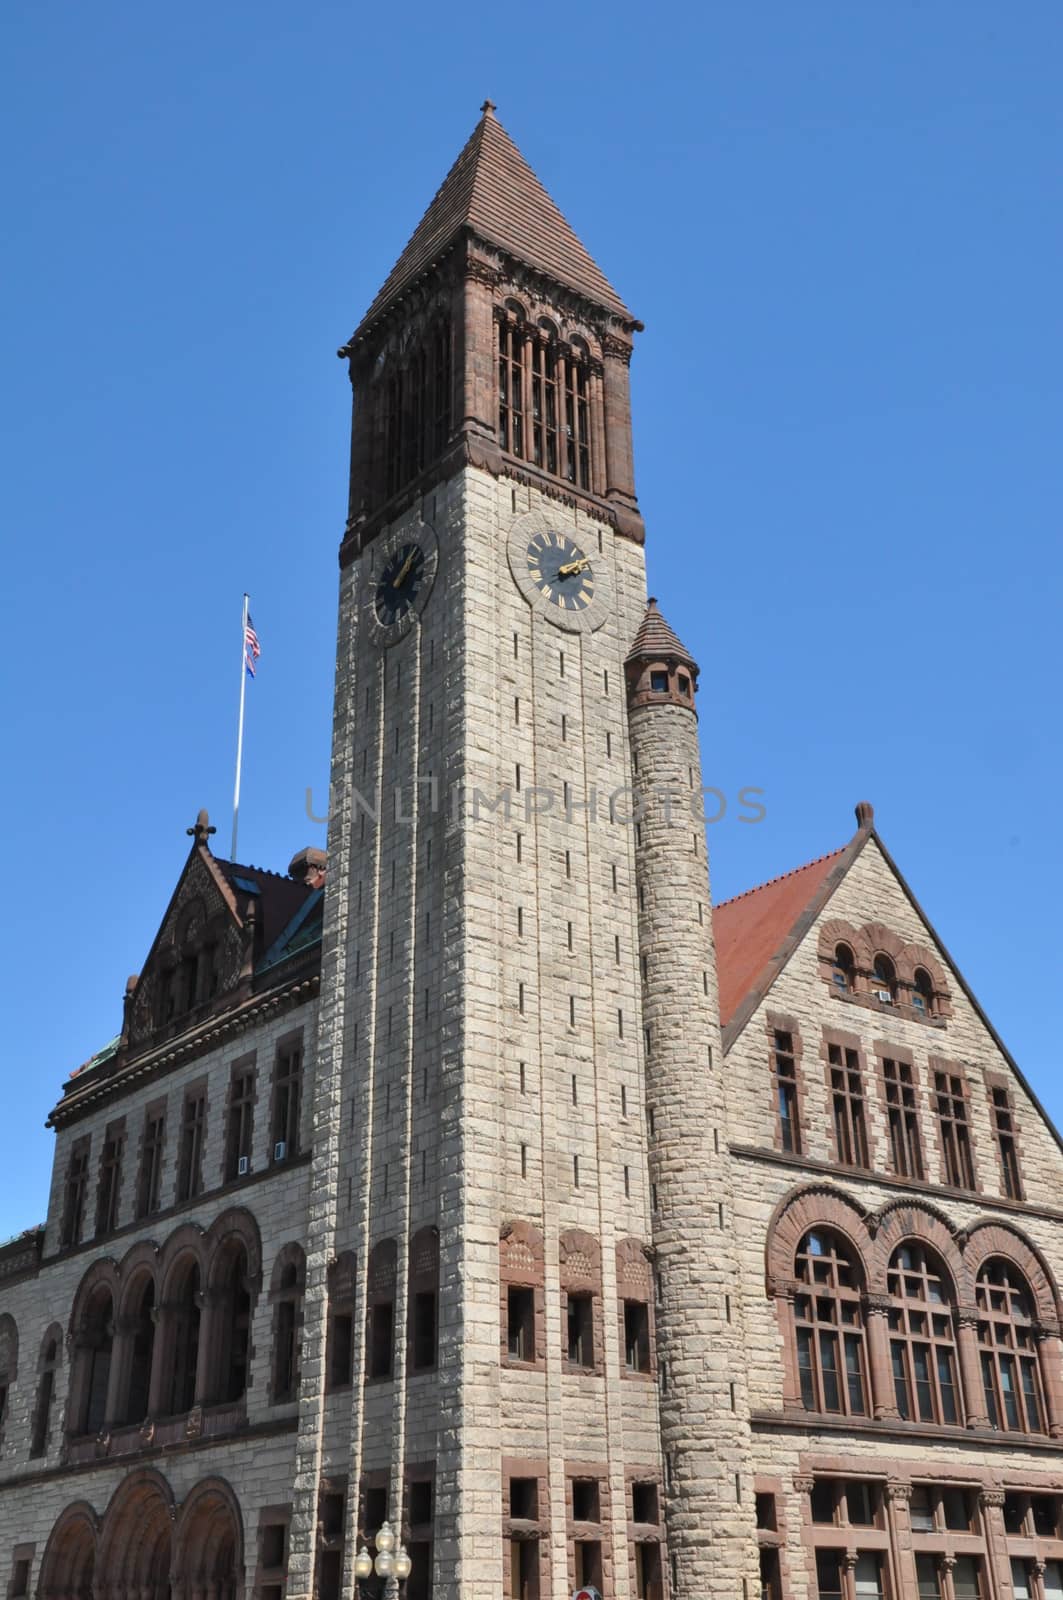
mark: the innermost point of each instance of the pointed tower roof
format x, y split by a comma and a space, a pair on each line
492, 190
656, 641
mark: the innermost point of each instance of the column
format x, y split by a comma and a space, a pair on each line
991, 1502
1050, 1360
970, 1367
884, 1400
899, 1522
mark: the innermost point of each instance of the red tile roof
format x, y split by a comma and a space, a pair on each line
751, 928
492, 190
656, 641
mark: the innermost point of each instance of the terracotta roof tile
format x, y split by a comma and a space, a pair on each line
750, 929
491, 189
655, 640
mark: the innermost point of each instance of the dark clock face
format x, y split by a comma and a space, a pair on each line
399, 583
561, 571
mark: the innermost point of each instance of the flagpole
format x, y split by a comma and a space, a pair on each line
240, 731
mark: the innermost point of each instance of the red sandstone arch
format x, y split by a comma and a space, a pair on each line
921, 955
140, 1260
901, 1220
990, 1237
836, 932
209, 1543
101, 1274
188, 1242
815, 1205
135, 1546
68, 1567
236, 1223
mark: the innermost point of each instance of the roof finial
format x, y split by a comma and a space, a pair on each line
865, 814
202, 830
488, 108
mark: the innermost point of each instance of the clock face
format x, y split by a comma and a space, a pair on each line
560, 571
400, 583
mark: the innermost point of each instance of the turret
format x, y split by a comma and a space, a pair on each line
699, 1342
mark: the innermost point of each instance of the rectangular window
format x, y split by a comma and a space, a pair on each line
770, 1582
424, 1331
645, 1503
588, 1564
637, 1335
951, 1103
190, 1155
524, 1569
239, 1121
287, 1096
929, 1578
109, 1190
520, 1323
419, 1583
77, 1177
149, 1178
906, 1156
524, 1499
1007, 1146
847, 1099
381, 1338
586, 1500
581, 1330
830, 1581
967, 1579
340, 1350
648, 1583
785, 1063
20, 1578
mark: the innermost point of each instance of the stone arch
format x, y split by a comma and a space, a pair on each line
836, 932
900, 1220
990, 1237
921, 955
522, 1267
814, 1205
135, 1546
882, 941
635, 1306
142, 1258
68, 1567
232, 1284
49, 1362
91, 1336
209, 1543
177, 1353
102, 1273
187, 1241
580, 1260
238, 1223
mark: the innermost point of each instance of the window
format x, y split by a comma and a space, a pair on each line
520, 1323
588, 1563
847, 1103
586, 1500
1011, 1374
424, 1331
381, 1338
286, 1319
1007, 1148
272, 1557
852, 1502
843, 972
149, 1179
77, 1175
770, 1581
884, 980
138, 1377
109, 1189
524, 1499
955, 1134
930, 1577
19, 1586
95, 1342
184, 1340
580, 1321
906, 1156
923, 993
523, 1569
328, 1568
648, 1581
42, 1409
833, 1575
646, 1505
239, 1122
544, 398
424, 1298
417, 408
637, 1335
232, 1322
786, 1091
190, 1155
831, 1361
287, 1086
967, 1579
922, 1338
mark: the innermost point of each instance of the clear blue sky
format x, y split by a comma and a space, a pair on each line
842, 227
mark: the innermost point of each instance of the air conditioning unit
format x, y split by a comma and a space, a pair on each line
885, 996
280, 1150
243, 1166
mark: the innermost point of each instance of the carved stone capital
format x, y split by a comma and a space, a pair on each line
896, 1490
617, 349
878, 1305
968, 1317
785, 1288
992, 1498
803, 1483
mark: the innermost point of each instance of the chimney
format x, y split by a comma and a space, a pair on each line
308, 866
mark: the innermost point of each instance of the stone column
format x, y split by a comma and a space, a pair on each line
970, 1367
1050, 1354
700, 1344
898, 1510
211, 1310
991, 1502
884, 1400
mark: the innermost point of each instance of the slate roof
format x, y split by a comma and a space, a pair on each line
492, 190
277, 900
656, 641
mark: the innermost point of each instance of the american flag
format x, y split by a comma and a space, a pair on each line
251, 646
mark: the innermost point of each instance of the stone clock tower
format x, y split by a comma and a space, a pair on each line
518, 985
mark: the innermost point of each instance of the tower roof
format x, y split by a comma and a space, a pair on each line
656, 641
492, 190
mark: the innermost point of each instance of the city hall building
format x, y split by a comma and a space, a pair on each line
479, 1176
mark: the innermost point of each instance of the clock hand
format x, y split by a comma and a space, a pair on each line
405, 570
570, 568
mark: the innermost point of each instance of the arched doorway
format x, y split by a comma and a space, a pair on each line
210, 1546
69, 1565
136, 1552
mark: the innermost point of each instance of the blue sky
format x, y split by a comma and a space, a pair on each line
841, 226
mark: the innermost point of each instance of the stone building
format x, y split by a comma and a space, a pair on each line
480, 1177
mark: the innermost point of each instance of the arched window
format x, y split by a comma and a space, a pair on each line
843, 973
544, 397
923, 993
829, 1324
1011, 1373
42, 1406
8, 1362
141, 1352
339, 1358
417, 407
233, 1313
922, 1337
423, 1310
95, 1343
289, 1276
884, 980
184, 1317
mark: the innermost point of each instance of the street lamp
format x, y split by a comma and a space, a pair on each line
391, 1566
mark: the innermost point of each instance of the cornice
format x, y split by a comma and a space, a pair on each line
815, 1422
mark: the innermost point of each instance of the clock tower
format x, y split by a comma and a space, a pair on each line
521, 1333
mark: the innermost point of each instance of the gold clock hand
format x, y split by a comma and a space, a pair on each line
405, 570
570, 568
